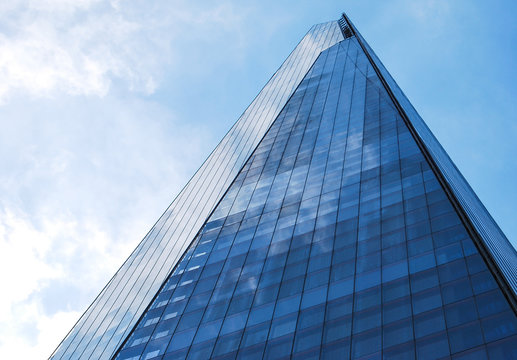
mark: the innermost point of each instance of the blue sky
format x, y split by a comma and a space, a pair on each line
108, 107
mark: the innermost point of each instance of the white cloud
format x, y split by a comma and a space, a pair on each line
37, 338
27, 330
81, 47
70, 47
89, 161
22, 265
77, 197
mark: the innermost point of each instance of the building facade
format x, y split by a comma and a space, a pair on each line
328, 223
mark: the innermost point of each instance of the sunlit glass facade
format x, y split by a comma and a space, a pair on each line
345, 232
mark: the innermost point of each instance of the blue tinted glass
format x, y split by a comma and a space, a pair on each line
335, 241
465, 337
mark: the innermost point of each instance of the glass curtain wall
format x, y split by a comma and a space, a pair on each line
335, 241
112, 315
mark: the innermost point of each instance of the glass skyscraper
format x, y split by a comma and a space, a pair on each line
328, 224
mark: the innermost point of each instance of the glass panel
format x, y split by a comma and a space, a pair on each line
334, 240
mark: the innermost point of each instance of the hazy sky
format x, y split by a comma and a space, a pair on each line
108, 107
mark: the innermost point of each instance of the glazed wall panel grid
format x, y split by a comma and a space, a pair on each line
329, 223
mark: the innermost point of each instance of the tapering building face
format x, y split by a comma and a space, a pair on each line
329, 223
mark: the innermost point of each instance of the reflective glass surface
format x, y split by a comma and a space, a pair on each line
108, 321
492, 237
334, 241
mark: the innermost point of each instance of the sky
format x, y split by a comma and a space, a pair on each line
107, 108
